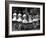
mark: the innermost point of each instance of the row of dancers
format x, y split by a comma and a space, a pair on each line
19, 19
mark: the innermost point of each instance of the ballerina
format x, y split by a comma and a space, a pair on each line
25, 20
14, 17
19, 18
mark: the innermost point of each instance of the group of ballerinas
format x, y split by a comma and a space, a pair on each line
19, 19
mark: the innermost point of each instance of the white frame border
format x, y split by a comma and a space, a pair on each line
25, 32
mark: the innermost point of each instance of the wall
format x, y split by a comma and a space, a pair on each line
2, 19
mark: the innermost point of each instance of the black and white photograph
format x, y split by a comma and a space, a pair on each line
25, 18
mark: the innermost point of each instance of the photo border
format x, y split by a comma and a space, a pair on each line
7, 18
